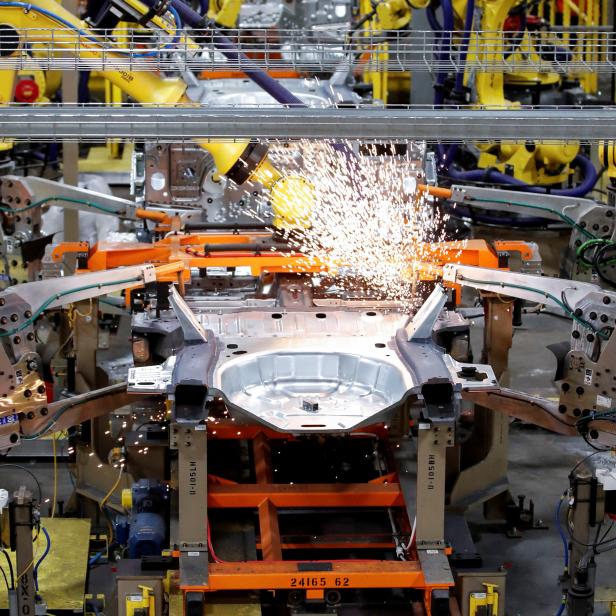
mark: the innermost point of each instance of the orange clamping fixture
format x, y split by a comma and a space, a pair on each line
187, 248
187, 251
58, 252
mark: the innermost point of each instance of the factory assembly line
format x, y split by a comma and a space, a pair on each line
241, 243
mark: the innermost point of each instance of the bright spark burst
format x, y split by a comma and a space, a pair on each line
367, 223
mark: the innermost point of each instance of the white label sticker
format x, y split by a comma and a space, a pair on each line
193, 553
431, 551
217, 271
588, 376
604, 401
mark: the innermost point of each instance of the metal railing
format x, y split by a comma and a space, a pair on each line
92, 123
310, 50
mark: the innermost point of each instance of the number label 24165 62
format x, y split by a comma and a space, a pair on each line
317, 582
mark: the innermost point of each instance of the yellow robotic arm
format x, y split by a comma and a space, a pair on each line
45, 23
537, 163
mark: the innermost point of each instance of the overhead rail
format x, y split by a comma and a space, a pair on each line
93, 123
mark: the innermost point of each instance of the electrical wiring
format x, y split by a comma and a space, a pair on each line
562, 304
599, 258
110, 531
596, 549
592, 243
210, 546
37, 313
112, 489
601, 261
83, 33
561, 532
10, 564
8, 588
541, 208
582, 423
43, 557
597, 449
606, 533
84, 315
593, 546
582, 461
46, 200
23, 468
99, 393
408, 546
55, 475
26, 569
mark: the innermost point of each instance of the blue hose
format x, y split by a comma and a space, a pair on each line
42, 558
223, 44
146, 54
466, 37
433, 21
444, 38
563, 538
95, 558
492, 175
561, 609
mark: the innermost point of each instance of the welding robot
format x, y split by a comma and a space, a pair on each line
493, 32
240, 161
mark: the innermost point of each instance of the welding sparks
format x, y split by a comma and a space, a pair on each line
362, 220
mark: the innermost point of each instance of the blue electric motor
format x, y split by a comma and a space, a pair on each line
147, 500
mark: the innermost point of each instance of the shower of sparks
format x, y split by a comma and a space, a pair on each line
367, 224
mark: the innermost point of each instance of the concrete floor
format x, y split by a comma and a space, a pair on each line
540, 463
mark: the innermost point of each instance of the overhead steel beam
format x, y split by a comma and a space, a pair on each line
168, 124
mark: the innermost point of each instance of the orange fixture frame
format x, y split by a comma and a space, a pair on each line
314, 577
188, 249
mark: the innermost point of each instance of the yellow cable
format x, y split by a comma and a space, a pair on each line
30, 564
55, 475
24, 571
83, 314
113, 487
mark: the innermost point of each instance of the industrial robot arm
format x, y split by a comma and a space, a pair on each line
586, 401
592, 224
24, 411
53, 27
30, 194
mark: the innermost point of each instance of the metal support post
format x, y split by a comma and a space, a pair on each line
70, 149
191, 442
588, 512
484, 456
434, 438
21, 522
